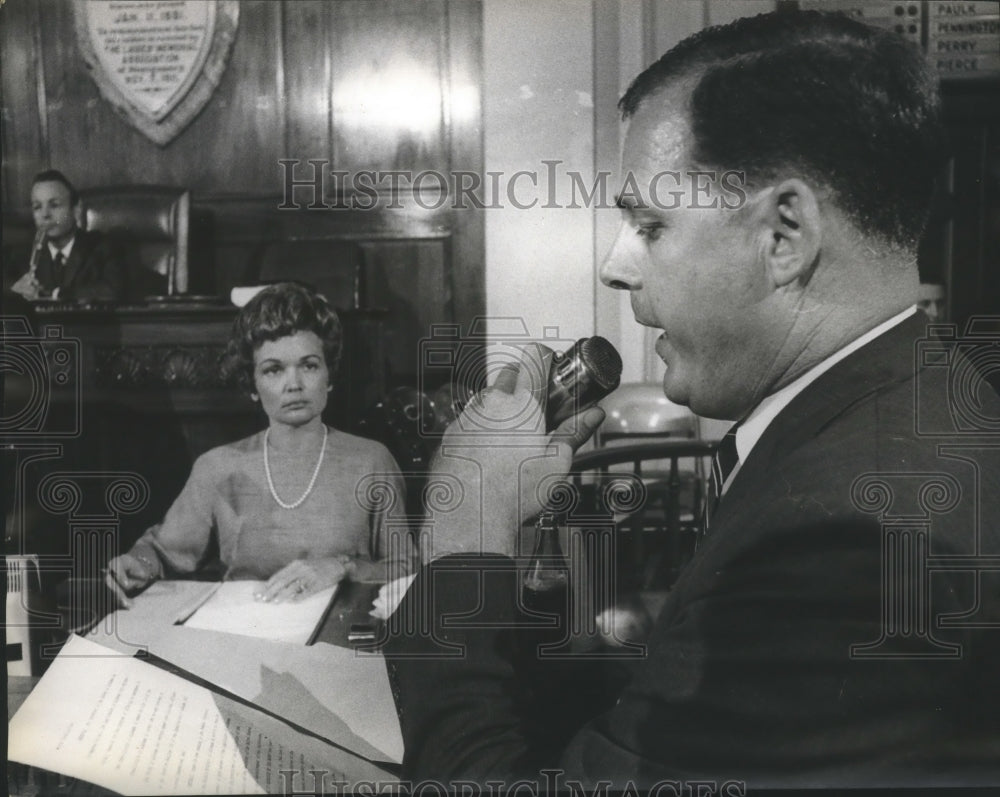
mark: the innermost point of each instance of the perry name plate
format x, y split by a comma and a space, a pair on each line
157, 62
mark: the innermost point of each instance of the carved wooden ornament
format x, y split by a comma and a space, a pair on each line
156, 63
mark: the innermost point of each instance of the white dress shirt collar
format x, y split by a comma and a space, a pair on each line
753, 427
65, 250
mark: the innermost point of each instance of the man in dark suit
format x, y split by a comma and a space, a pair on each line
838, 625
66, 262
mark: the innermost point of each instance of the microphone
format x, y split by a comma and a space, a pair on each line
36, 250
580, 377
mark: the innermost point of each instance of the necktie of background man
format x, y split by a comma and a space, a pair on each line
58, 266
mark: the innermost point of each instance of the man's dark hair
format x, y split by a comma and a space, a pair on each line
277, 311
815, 95
56, 176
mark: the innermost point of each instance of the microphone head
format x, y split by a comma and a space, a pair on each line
580, 377
602, 361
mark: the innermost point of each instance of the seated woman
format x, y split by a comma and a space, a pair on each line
283, 504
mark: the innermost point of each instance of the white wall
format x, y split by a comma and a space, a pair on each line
553, 72
538, 106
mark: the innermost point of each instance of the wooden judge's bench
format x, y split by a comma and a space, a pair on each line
164, 356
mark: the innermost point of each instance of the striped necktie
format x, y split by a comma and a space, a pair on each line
724, 461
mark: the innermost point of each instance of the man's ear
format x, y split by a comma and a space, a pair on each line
794, 231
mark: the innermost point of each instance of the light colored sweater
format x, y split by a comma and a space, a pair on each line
355, 508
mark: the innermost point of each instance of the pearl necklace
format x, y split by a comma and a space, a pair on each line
312, 481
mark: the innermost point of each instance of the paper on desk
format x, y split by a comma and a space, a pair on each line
233, 609
133, 728
390, 596
339, 694
334, 692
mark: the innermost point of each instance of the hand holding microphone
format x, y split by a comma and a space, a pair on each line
499, 456
577, 379
27, 284
36, 250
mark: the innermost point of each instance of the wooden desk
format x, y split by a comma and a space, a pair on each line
351, 606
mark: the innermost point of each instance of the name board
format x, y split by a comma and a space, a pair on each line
961, 39
157, 61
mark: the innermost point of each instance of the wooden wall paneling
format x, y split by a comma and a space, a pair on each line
307, 64
252, 219
466, 263
291, 61
991, 222
408, 281
243, 228
233, 145
387, 82
968, 223
87, 139
963, 234
24, 150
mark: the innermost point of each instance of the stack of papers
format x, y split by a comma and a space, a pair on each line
232, 608
135, 728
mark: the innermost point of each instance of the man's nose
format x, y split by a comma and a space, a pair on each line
621, 267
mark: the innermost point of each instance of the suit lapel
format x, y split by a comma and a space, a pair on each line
73, 264
45, 272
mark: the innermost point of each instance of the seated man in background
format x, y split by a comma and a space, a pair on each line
839, 623
66, 261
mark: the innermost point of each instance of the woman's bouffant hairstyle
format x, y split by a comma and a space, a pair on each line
276, 312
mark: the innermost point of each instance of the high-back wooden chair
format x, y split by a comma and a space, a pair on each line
151, 224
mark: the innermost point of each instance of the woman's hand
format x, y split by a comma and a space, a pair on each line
128, 574
302, 578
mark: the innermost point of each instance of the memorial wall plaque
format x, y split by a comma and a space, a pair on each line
156, 61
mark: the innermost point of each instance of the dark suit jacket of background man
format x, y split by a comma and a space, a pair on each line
750, 674
93, 271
